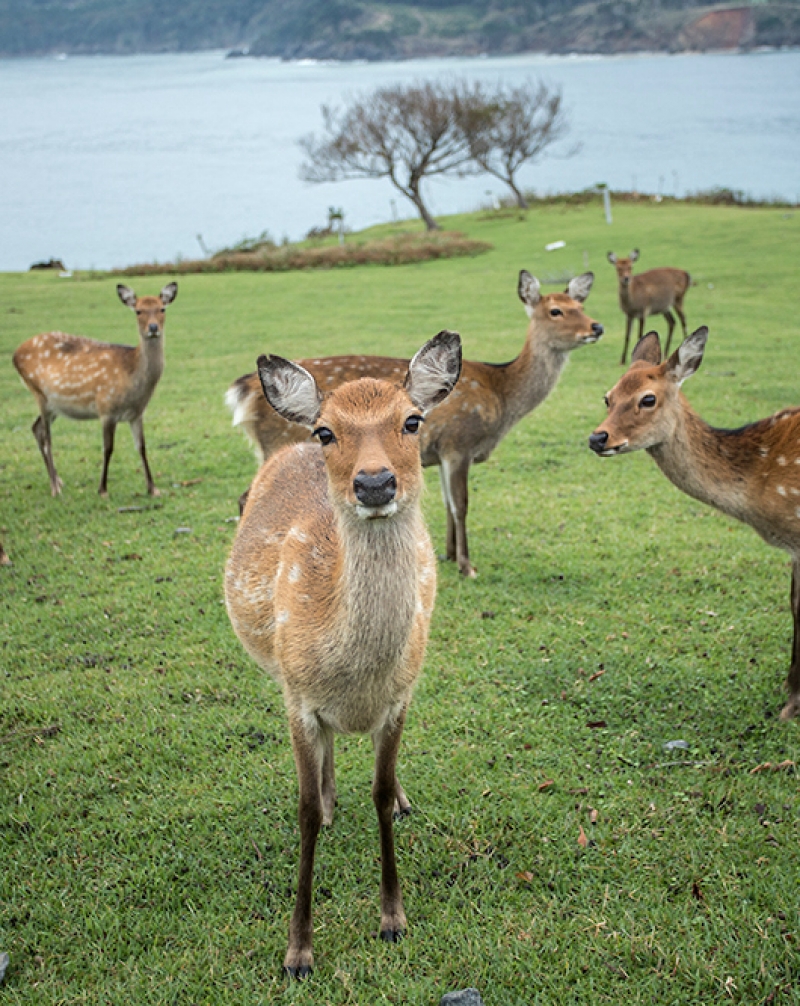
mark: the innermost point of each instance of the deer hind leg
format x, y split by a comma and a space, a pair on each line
678, 305
328, 778
137, 429
792, 707
109, 428
457, 476
671, 328
384, 793
308, 747
41, 430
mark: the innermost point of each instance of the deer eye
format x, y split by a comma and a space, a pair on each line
648, 402
412, 424
324, 435
556, 312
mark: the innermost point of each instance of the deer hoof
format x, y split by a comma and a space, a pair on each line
791, 709
391, 935
300, 972
153, 491
400, 812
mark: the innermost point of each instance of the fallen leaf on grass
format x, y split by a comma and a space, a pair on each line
596, 675
546, 784
526, 876
697, 894
596, 724
593, 816
768, 766
583, 841
190, 482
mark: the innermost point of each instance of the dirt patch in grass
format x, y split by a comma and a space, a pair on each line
396, 250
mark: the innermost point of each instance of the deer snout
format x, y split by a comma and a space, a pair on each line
375, 490
598, 441
153, 330
597, 328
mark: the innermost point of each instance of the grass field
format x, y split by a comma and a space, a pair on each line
148, 818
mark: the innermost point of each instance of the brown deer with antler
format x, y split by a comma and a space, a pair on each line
330, 586
489, 399
80, 378
657, 291
751, 473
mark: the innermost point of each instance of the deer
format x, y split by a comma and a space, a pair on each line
657, 291
751, 473
81, 378
488, 401
330, 586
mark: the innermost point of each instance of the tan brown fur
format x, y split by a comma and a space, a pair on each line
81, 378
333, 596
488, 400
751, 473
656, 291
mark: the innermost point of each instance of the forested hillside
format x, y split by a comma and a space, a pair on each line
387, 29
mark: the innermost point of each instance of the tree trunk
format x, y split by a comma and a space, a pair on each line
415, 197
521, 203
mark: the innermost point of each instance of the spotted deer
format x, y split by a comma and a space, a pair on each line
657, 291
80, 378
488, 400
330, 587
751, 473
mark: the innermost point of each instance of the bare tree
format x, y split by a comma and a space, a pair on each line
404, 133
506, 127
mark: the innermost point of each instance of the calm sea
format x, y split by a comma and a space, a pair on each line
106, 161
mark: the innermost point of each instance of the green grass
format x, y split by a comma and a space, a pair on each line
149, 838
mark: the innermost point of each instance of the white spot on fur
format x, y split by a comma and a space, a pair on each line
781, 460
295, 573
781, 491
763, 451
282, 617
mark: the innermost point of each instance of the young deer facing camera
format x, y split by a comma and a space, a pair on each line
330, 587
85, 379
752, 473
488, 400
657, 291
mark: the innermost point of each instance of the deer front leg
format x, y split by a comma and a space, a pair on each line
41, 430
384, 792
450, 541
458, 497
137, 429
109, 428
628, 324
328, 778
792, 707
308, 754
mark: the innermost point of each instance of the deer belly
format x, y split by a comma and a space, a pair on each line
74, 406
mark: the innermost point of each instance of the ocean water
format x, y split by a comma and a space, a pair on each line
107, 161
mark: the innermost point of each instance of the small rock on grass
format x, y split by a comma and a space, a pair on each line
466, 997
3, 967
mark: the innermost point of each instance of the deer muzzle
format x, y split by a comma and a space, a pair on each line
375, 493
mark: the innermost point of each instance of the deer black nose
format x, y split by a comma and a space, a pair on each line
598, 441
152, 328
375, 490
597, 328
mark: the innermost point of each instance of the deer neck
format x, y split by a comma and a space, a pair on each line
713, 466
377, 591
148, 362
532, 376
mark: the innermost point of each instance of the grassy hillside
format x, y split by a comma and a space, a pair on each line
147, 796
389, 29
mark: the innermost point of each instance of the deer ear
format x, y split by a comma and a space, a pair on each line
612, 258
529, 291
289, 389
634, 255
126, 295
434, 371
169, 293
580, 287
688, 356
647, 349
